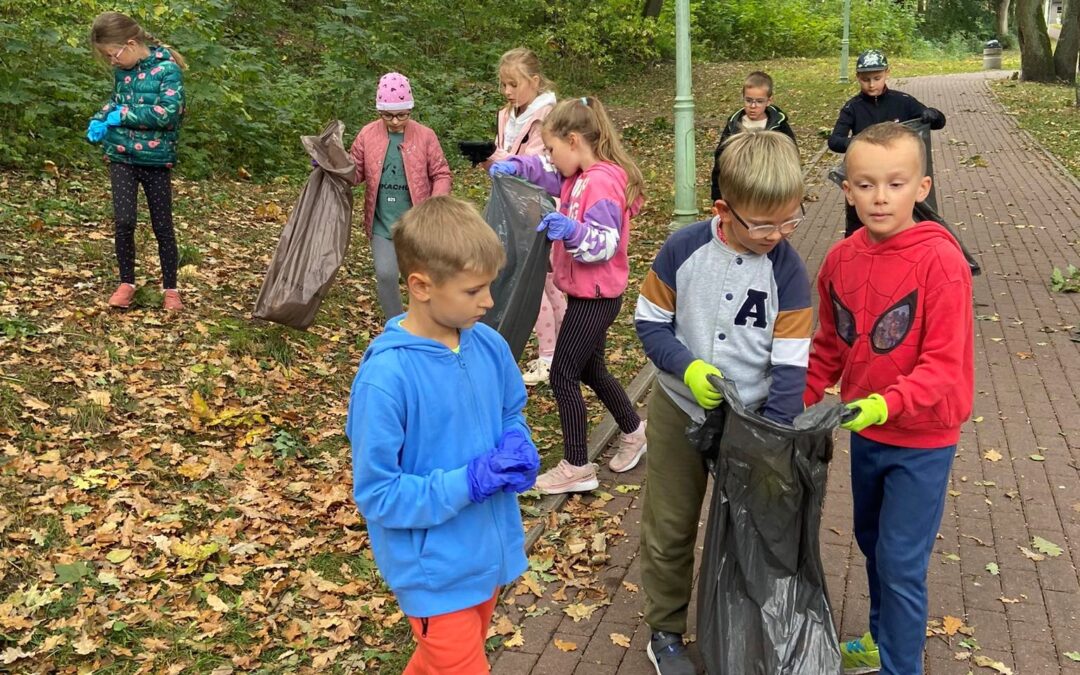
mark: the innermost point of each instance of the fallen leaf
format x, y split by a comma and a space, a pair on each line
633, 588
978, 419
992, 568
518, 640
1037, 458
1009, 601
503, 626
1031, 555
951, 624
85, 645
118, 555
626, 489
620, 639
987, 662
579, 611
1045, 546
992, 455
13, 654
1073, 656
216, 603
102, 398
565, 646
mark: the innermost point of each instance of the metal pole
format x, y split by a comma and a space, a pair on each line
845, 42
685, 174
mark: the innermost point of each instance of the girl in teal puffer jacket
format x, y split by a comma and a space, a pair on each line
139, 128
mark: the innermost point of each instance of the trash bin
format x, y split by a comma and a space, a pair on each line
992, 55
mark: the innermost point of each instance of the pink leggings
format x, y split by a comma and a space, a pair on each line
548, 322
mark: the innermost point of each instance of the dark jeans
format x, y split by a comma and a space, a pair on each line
157, 186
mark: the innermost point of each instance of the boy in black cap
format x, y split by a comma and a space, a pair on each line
876, 103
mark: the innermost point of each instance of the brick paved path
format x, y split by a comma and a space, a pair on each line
1020, 213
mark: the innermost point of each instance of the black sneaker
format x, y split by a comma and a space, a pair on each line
668, 654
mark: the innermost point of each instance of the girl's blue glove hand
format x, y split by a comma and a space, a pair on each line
558, 226
96, 131
113, 118
505, 167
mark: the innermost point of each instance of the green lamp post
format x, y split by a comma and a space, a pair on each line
685, 174
845, 42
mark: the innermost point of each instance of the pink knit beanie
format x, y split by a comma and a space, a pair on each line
394, 93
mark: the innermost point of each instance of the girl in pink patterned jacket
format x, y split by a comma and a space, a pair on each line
600, 190
529, 99
403, 164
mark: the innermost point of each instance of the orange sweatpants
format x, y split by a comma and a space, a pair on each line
452, 644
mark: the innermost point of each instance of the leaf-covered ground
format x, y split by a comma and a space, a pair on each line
175, 490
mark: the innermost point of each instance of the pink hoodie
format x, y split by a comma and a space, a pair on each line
593, 262
426, 169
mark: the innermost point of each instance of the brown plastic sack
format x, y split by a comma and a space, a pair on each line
316, 236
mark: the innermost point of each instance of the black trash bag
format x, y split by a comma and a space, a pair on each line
477, 151
313, 244
513, 211
926, 209
763, 608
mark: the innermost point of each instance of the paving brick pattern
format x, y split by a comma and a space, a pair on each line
1019, 212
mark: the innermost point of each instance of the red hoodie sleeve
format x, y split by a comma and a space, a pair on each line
943, 377
827, 351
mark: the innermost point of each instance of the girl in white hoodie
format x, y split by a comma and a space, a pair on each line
529, 98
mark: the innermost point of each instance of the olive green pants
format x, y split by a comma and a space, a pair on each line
675, 483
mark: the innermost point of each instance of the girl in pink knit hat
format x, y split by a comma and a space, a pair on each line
403, 164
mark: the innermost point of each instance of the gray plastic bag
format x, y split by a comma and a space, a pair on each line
513, 211
763, 608
316, 236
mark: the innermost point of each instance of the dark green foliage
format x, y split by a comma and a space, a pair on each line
261, 74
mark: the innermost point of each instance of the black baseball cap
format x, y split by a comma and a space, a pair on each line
871, 60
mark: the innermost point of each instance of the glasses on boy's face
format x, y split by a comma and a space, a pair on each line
395, 117
755, 102
763, 230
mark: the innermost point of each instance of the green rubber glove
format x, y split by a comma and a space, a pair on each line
697, 378
872, 410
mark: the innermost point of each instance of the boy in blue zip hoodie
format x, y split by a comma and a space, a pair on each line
439, 441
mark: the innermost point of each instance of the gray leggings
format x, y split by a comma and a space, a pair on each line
387, 285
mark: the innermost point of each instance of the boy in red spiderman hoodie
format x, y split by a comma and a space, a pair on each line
896, 328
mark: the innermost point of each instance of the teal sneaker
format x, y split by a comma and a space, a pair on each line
860, 656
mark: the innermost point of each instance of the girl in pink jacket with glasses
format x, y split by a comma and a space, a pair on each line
403, 164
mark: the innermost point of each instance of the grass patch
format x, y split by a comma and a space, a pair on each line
1049, 113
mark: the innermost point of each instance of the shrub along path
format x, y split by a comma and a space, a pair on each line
1004, 590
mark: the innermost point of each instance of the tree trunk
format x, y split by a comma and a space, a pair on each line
1036, 61
1002, 17
1068, 45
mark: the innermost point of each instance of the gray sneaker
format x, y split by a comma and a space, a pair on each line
668, 654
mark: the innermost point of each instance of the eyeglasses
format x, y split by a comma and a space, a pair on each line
762, 231
395, 117
755, 102
115, 57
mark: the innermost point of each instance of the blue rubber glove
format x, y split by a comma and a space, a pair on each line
113, 118
314, 163
512, 463
504, 167
521, 459
558, 226
872, 410
96, 131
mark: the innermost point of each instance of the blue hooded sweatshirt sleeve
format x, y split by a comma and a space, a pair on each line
419, 412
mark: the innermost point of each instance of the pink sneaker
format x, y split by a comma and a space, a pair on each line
565, 477
172, 302
122, 296
631, 448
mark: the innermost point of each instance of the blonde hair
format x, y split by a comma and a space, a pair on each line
114, 28
760, 170
758, 79
443, 236
886, 134
586, 116
524, 61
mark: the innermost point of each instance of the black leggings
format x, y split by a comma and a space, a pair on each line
579, 357
157, 186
